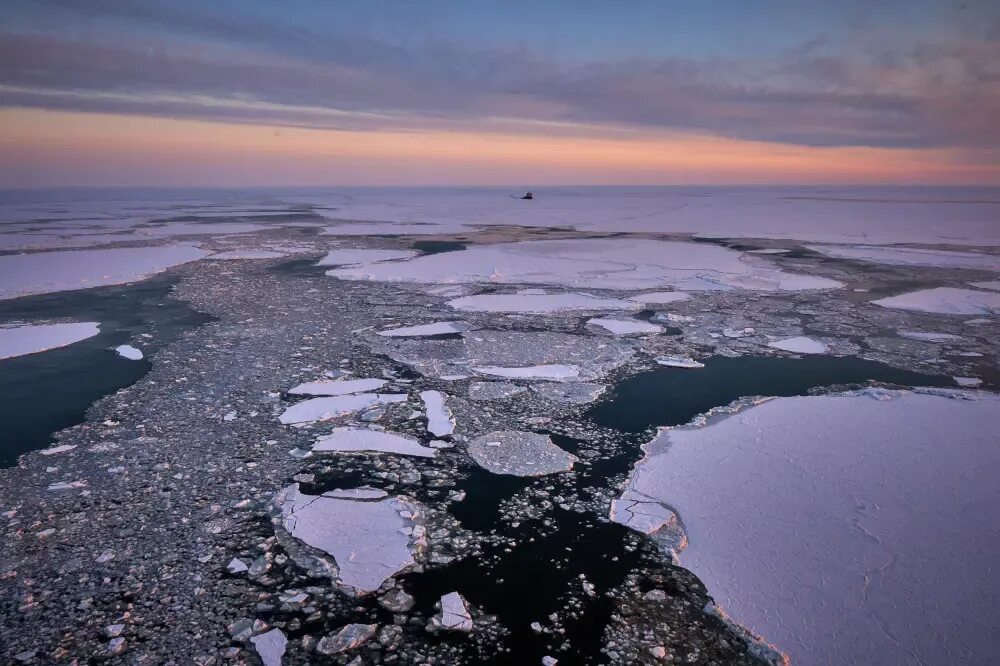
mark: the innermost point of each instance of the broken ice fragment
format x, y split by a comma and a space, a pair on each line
423, 330
800, 345
339, 387
322, 409
454, 614
350, 439
129, 352
549, 371
519, 454
440, 422
678, 362
625, 326
347, 638
968, 381
928, 336
270, 646
945, 300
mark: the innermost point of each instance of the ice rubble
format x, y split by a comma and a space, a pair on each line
370, 541
519, 454
494, 390
46, 272
577, 393
34, 338
423, 330
350, 439
625, 326
440, 422
321, 409
814, 518
338, 387
595, 263
911, 256
660, 297
945, 300
554, 371
539, 303
129, 352
270, 647
362, 257
800, 345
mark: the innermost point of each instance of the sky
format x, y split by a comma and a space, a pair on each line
251, 93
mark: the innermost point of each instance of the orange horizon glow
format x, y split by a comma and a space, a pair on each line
58, 148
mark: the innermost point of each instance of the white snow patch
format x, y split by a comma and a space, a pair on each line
625, 326
321, 409
539, 303
814, 518
129, 352
339, 387
911, 256
660, 297
800, 345
362, 257
46, 272
31, 339
945, 300
350, 439
440, 421
555, 371
436, 328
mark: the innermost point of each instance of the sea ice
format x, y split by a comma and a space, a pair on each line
577, 393
61, 448
678, 362
369, 540
31, 339
339, 387
454, 613
660, 297
800, 345
928, 336
625, 326
362, 257
988, 284
440, 422
539, 303
815, 518
968, 382
129, 352
436, 328
45, 272
552, 371
248, 254
494, 390
911, 256
321, 409
520, 454
270, 647
394, 229
350, 439
945, 300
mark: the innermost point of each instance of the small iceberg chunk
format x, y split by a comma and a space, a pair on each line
679, 362
424, 330
440, 421
129, 352
554, 371
800, 345
625, 326
520, 453
350, 439
454, 614
341, 387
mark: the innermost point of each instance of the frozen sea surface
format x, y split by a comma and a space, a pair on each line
843, 529
23, 340
945, 300
909, 256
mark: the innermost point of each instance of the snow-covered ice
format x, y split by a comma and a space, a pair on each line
987, 284
369, 540
929, 336
519, 454
321, 409
270, 646
34, 338
362, 257
248, 254
660, 297
46, 272
350, 439
945, 300
129, 352
554, 371
397, 229
423, 330
800, 345
454, 613
679, 362
440, 422
337, 387
811, 519
911, 256
625, 326
538, 303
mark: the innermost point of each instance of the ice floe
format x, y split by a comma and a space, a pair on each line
440, 422
519, 454
800, 345
129, 352
350, 439
454, 614
337, 387
321, 409
270, 647
592, 263
46, 272
814, 518
248, 254
539, 303
494, 390
679, 362
397, 229
911, 256
422, 330
945, 300
370, 541
577, 393
34, 338
551, 371
988, 284
660, 297
928, 336
968, 382
362, 257
61, 448
625, 326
